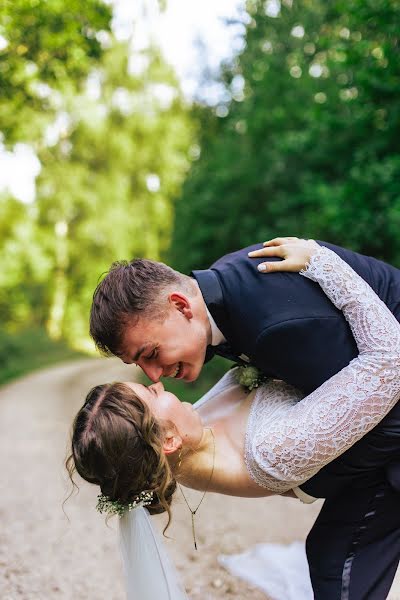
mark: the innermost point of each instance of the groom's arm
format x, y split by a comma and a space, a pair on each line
306, 352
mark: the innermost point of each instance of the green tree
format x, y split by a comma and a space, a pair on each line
106, 188
111, 131
47, 50
308, 143
23, 260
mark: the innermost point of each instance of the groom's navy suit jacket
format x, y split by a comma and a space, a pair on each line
283, 322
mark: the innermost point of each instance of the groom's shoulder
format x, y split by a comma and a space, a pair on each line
235, 258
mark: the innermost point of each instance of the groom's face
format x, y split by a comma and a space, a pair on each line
172, 347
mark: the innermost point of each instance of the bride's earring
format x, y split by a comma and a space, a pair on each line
179, 463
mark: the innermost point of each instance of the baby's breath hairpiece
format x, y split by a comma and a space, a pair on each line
114, 507
250, 377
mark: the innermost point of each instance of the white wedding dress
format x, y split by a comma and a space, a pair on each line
288, 441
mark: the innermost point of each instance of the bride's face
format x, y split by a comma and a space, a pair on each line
167, 407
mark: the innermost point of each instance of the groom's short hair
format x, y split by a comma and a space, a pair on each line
128, 291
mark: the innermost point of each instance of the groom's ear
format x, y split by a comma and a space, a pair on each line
181, 303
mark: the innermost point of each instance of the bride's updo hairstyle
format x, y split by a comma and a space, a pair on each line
118, 444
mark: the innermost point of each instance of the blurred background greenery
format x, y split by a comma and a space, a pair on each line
303, 139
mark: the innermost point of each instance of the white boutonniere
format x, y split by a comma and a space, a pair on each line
250, 377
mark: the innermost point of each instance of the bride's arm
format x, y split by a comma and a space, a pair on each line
308, 435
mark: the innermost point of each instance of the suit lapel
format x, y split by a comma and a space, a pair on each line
212, 294
213, 297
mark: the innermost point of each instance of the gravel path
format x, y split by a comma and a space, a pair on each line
43, 556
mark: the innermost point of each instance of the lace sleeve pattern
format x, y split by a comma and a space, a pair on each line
287, 441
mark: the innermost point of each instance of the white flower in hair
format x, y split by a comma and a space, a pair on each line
114, 507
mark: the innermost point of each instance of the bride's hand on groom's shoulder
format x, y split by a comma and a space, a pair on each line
295, 253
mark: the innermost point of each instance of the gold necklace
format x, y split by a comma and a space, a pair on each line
193, 512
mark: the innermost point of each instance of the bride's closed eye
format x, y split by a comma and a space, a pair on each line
153, 354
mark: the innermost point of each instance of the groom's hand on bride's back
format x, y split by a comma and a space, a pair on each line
294, 252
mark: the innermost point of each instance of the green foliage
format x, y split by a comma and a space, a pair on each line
310, 146
105, 190
25, 267
51, 48
29, 350
112, 141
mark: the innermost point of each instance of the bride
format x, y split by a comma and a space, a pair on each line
138, 442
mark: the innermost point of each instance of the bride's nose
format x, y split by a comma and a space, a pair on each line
158, 387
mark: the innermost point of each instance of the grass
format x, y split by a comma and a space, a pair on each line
29, 350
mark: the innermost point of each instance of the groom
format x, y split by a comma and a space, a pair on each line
169, 324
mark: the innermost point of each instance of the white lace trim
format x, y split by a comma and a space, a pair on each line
288, 441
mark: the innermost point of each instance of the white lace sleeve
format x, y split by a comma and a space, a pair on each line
298, 439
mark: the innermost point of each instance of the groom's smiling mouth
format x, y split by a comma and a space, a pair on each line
177, 372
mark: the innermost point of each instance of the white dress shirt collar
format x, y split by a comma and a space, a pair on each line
217, 336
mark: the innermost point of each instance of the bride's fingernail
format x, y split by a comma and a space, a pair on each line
262, 267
